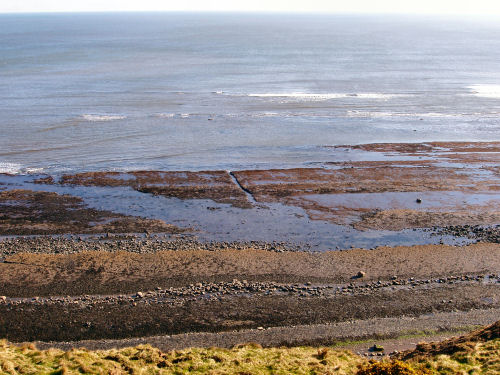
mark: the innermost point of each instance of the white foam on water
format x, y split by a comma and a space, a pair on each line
10, 168
15, 168
29, 170
486, 91
269, 114
173, 115
96, 118
325, 96
374, 114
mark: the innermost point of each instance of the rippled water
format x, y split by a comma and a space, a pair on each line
177, 91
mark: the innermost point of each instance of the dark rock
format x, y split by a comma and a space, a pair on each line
377, 348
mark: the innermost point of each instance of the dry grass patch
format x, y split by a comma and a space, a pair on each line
144, 359
475, 358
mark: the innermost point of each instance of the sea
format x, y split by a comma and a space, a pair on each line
209, 91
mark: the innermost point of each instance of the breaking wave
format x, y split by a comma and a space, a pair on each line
14, 168
319, 96
375, 114
99, 118
173, 115
486, 91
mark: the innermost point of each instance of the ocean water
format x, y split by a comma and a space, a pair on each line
178, 91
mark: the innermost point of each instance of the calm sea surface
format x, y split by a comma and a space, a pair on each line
177, 91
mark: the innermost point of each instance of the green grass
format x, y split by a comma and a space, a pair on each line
410, 334
483, 358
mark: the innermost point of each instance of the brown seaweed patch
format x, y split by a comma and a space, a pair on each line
49, 180
431, 147
214, 185
398, 219
25, 212
218, 194
335, 213
269, 184
422, 163
318, 191
407, 148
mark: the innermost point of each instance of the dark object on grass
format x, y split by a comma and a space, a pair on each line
377, 348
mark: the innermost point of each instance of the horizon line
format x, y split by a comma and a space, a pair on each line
262, 12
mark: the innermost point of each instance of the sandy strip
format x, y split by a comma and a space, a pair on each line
99, 272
